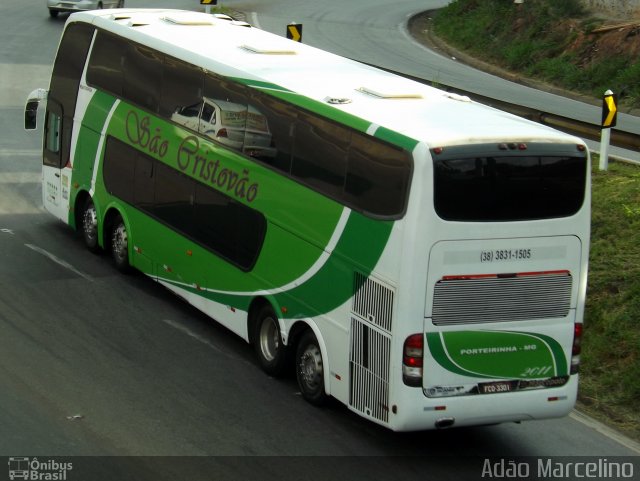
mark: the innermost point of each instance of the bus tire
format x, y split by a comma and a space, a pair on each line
90, 226
120, 244
270, 349
310, 369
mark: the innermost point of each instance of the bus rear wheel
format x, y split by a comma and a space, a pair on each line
268, 343
120, 245
90, 226
310, 369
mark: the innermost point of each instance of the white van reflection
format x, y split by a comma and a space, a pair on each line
240, 127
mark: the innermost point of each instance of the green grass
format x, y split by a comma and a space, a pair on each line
525, 39
610, 383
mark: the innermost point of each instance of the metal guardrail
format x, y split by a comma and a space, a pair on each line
619, 138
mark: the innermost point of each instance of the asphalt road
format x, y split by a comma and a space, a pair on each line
93, 363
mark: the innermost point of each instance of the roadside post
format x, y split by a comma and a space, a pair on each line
294, 32
207, 4
609, 118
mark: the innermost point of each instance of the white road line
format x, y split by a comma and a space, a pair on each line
59, 261
20, 178
199, 338
20, 153
606, 431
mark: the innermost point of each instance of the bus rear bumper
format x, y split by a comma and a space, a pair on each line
482, 409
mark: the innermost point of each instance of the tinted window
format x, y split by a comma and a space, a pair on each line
227, 227
118, 169
280, 118
69, 64
106, 64
378, 176
181, 88
65, 81
509, 188
210, 218
143, 76
174, 198
320, 153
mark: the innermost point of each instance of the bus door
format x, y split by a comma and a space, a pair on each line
55, 192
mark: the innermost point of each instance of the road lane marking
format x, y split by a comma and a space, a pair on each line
59, 261
200, 338
20, 153
20, 178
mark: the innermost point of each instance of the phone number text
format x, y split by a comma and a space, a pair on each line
505, 255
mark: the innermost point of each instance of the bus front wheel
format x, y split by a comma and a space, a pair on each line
268, 344
310, 369
120, 244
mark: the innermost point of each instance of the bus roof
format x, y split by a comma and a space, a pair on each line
231, 48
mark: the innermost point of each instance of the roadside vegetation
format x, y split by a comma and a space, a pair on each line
610, 370
557, 42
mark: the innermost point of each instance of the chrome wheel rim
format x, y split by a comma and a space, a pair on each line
310, 367
269, 339
90, 224
120, 242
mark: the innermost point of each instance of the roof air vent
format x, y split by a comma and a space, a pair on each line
390, 92
338, 100
268, 49
189, 18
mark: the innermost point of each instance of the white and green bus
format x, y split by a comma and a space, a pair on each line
419, 257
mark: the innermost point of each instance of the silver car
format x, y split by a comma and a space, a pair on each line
57, 6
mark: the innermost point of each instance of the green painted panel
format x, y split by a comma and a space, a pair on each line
498, 354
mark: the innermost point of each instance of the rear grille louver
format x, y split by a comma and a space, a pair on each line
501, 299
370, 347
373, 301
369, 370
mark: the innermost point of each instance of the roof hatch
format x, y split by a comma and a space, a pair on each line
188, 18
269, 49
390, 91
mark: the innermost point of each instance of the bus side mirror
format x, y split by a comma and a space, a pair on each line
31, 108
31, 115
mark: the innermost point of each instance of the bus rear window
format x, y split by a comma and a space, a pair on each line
510, 187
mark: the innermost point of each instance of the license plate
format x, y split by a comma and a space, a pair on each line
495, 387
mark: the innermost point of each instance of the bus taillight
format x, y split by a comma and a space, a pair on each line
576, 348
412, 355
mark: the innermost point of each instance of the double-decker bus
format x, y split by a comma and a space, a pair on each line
420, 257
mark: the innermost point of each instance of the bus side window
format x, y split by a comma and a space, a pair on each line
378, 176
143, 76
106, 63
320, 154
181, 91
280, 118
53, 133
54, 129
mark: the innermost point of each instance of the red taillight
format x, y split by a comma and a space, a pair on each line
576, 348
412, 356
577, 339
